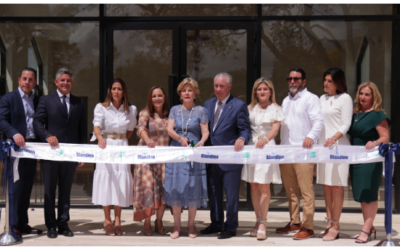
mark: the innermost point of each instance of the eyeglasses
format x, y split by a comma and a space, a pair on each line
289, 79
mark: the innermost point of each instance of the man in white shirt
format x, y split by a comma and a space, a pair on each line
302, 126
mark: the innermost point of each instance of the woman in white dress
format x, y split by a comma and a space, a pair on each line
114, 121
265, 120
337, 110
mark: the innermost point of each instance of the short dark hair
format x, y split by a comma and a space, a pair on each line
338, 79
28, 69
302, 72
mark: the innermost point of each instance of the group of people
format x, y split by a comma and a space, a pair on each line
224, 120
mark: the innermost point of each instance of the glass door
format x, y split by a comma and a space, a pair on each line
148, 54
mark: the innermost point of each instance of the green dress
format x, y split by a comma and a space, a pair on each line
365, 178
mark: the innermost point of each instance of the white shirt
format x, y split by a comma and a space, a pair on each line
67, 100
111, 120
303, 118
337, 111
222, 107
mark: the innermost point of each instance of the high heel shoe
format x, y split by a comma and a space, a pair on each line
253, 232
262, 235
147, 232
109, 229
334, 229
161, 230
373, 231
358, 240
117, 229
326, 229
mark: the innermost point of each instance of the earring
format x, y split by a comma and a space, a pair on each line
180, 99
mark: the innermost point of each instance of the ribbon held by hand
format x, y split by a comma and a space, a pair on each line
5, 156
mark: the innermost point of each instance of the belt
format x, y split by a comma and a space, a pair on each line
30, 140
114, 135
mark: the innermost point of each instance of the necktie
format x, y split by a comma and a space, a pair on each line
216, 114
65, 104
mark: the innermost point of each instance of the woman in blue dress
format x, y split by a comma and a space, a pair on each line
186, 183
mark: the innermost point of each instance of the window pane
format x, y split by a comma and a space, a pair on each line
326, 9
71, 45
315, 46
181, 9
59, 10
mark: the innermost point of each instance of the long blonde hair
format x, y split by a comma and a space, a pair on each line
254, 98
376, 97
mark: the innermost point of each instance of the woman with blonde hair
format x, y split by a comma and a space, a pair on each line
185, 183
370, 127
265, 119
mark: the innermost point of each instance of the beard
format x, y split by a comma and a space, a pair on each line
294, 90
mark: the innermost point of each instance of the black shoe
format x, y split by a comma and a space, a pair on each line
26, 229
211, 230
226, 234
66, 232
52, 233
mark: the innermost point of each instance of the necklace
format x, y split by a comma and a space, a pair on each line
187, 123
356, 120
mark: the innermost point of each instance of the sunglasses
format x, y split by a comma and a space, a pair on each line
289, 79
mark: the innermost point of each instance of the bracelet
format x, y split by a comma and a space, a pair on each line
201, 142
97, 134
179, 139
266, 138
376, 143
336, 139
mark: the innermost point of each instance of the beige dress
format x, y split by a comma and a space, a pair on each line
261, 121
337, 111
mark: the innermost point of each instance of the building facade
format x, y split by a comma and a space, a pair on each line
160, 44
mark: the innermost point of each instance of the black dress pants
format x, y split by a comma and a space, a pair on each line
63, 173
22, 190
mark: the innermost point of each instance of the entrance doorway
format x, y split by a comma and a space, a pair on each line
148, 54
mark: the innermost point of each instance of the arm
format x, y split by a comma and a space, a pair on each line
204, 134
315, 116
383, 131
5, 125
243, 123
142, 130
82, 125
39, 121
101, 142
174, 135
274, 132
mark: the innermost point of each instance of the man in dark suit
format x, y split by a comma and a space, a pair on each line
60, 117
229, 125
17, 109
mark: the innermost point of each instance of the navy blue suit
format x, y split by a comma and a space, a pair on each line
52, 119
232, 124
12, 122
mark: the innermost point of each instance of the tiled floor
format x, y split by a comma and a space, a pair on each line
88, 229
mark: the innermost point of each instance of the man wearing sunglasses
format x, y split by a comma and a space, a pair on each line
302, 126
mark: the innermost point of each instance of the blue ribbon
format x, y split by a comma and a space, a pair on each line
5, 156
387, 151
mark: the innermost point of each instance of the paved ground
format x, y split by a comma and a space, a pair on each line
88, 229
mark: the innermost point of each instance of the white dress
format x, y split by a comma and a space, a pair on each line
113, 183
261, 121
337, 111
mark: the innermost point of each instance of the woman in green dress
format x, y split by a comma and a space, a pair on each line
370, 127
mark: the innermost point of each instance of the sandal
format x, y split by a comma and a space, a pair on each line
373, 231
335, 229
262, 235
253, 232
159, 230
358, 240
326, 229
